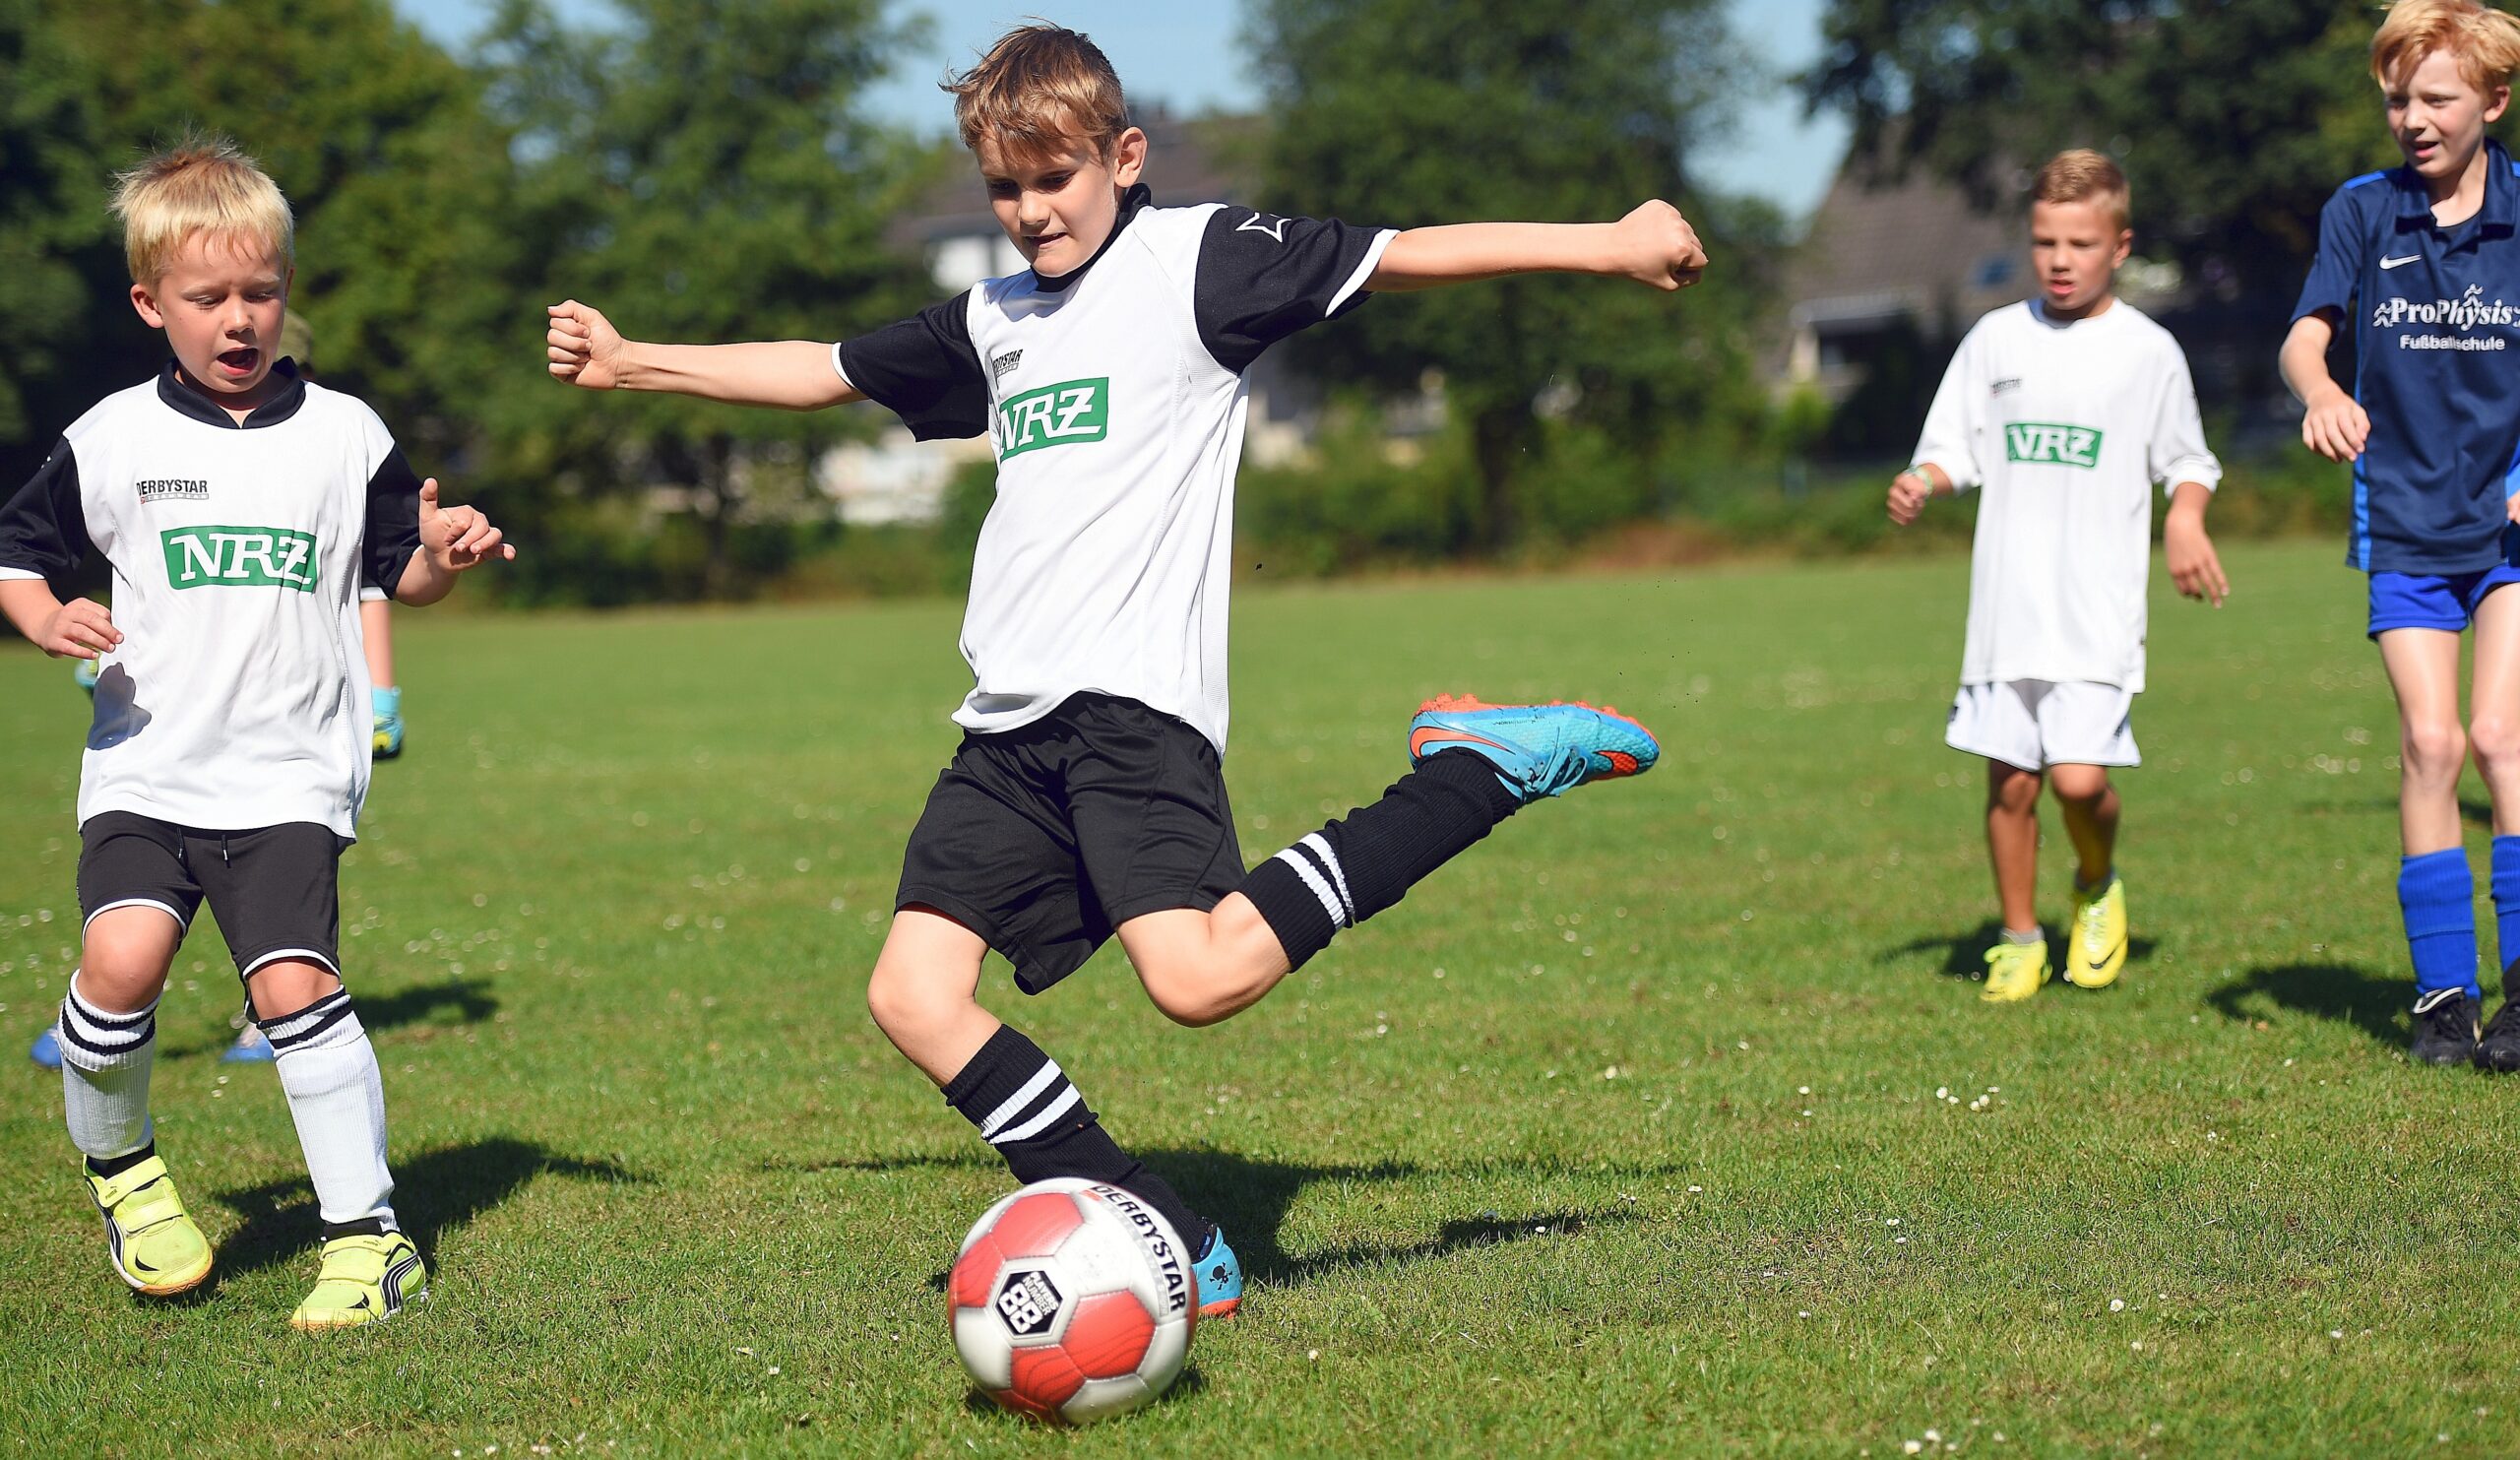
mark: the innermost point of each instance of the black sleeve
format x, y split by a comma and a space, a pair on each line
43, 529
924, 370
393, 523
1263, 277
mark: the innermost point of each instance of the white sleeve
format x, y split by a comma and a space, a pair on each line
1946, 439
2177, 452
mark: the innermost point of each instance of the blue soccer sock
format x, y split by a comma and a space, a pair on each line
2507, 906
2437, 893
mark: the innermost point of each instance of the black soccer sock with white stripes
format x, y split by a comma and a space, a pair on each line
1349, 871
337, 1098
1024, 1105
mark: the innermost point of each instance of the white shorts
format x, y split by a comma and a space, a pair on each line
2034, 723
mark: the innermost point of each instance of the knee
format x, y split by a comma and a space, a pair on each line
2011, 791
1186, 995
2081, 785
2432, 749
2495, 738
904, 1003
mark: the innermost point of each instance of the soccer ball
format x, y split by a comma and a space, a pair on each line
1073, 1301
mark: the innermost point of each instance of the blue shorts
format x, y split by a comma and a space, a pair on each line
2433, 601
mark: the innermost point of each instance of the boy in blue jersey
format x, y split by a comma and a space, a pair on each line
2426, 257
1086, 801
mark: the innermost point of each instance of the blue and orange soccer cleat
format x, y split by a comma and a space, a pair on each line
1537, 750
1219, 1277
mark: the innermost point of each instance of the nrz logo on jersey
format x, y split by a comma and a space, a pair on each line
173, 489
2052, 445
1054, 416
239, 557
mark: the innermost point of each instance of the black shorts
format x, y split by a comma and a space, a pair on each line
1044, 838
275, 890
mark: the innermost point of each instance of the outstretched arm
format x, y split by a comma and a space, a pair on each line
1653, 245
791, 374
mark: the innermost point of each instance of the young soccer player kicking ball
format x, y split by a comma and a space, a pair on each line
240, 507
2425, 258
2064, 409
1087, 799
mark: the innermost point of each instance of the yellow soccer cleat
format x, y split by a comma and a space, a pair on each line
152, 1241
364, 1280
2014, 972
2096, 946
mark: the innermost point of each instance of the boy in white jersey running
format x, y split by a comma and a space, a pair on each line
1087, 799
239, 508
2065, 410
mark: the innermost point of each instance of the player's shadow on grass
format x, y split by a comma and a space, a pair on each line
1249, 1199
469, 998
1963, 955
2326, 990
443, 1190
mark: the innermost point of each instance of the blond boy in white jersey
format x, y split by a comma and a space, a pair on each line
240, 507
2063, 409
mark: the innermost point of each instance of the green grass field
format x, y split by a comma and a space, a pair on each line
1620, 1136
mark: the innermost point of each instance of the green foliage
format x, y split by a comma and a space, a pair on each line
1408, 112
50, 155
398, 180
2234, 120
702, 173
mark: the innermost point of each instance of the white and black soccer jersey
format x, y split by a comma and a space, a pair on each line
238, 697
2065, 427
1114, 398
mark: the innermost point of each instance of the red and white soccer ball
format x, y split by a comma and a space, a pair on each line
1073, 1301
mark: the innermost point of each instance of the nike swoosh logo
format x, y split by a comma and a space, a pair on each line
2413, 258
1436, 735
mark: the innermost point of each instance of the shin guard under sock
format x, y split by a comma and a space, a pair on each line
1024, 1105
2437, 893
1349, 871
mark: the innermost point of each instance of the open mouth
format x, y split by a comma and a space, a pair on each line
239, 363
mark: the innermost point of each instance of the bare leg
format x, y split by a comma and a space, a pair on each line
925, 993
376, 628
2494, 710
2090, 806
2012, 842
2424, 672
1200, 967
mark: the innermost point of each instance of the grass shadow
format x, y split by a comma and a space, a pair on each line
1249, 1199
469, 998
1963, 955
1188, 1386
441, 1191
2335, 991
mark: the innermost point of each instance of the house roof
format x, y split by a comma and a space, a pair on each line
1880, 249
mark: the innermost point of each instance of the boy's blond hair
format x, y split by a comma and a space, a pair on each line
202, 185
2084, 176
1039, 89
2485, 42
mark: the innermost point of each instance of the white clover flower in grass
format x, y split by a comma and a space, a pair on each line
2117, 1305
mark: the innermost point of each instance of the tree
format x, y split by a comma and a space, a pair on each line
374, 133
49, 212
1407, 113
2235, 119
703, 174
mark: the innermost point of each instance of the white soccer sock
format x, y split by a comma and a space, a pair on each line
105, 1074
336, 1095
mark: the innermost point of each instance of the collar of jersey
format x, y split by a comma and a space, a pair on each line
2502, 210
284, 404
1138, 196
